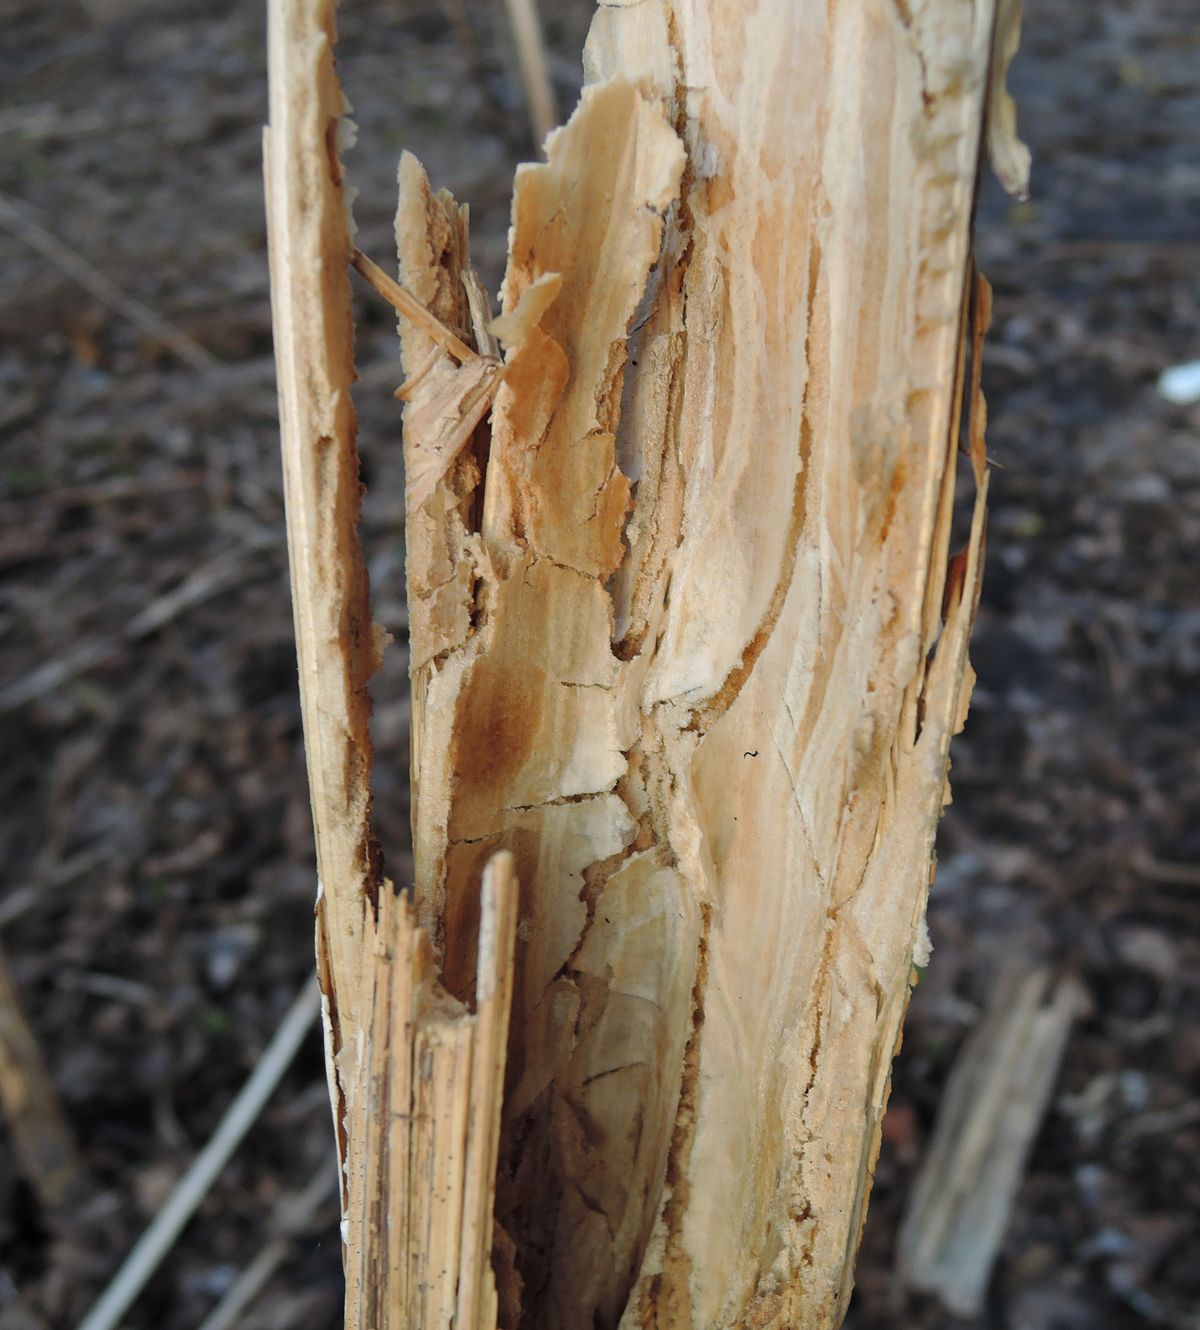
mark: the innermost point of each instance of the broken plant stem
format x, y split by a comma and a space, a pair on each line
687, 640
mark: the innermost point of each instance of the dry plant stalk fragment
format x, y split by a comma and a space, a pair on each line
39, 1134
415, 1077
422, 1117
997, 1097
687, 639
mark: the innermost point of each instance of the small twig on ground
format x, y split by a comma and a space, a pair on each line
46, 120
20, 899
290, 1217
192, 1188
103, 491
199, 586
1160, 1122
16, 220
535, 74
41, 1136
1160, 870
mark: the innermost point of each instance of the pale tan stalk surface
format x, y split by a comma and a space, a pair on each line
687, 638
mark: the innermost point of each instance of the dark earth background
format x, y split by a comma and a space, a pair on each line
157, 876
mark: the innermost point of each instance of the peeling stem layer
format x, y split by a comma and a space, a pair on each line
415, 1077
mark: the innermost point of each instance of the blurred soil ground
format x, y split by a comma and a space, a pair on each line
157, 883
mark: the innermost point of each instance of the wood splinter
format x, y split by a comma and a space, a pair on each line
458, 397
411, 308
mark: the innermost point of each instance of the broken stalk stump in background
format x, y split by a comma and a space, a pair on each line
687, 640
996, 1098
41, 1136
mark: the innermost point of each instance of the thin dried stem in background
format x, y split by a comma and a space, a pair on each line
158, 1239
17, 220
526, 28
